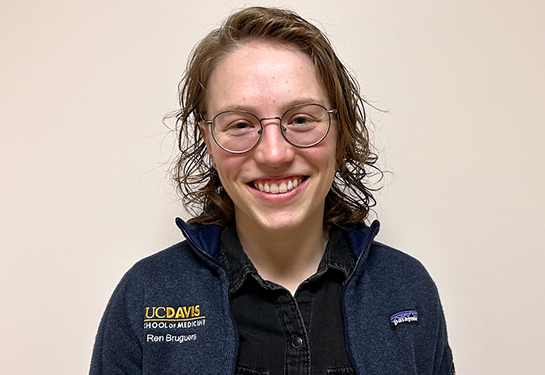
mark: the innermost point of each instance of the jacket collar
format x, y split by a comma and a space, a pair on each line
360, 238
207, 237
204, 237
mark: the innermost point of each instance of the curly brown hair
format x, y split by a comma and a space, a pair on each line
349, 199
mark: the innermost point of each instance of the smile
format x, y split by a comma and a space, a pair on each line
277, 187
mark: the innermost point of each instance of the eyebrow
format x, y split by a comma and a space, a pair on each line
285, 106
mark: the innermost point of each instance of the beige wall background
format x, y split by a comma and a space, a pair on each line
83, 195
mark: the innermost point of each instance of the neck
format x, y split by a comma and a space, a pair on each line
285, 257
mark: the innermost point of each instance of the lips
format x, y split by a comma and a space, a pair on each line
277, 186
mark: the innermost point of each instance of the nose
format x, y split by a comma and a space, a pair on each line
273, 149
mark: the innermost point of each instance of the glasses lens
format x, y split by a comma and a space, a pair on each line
236, 131
306, 125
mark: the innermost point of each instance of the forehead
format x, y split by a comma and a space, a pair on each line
262, 75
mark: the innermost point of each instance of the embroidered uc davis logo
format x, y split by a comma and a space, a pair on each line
403, 317
173, 317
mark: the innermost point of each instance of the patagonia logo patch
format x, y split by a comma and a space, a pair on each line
403, 317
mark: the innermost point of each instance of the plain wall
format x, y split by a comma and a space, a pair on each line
83, 151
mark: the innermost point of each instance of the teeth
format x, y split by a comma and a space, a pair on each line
275, 189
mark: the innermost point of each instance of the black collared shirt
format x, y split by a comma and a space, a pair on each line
281, 334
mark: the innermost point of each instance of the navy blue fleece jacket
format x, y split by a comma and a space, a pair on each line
170, 313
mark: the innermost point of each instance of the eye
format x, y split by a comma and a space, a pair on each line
300, 120
235, 123
240, 125
238, 128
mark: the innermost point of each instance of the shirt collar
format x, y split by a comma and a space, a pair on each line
337, 256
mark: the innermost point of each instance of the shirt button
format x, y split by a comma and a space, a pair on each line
297, 342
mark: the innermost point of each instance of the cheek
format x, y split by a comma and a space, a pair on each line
229, 167
332, 153
333, 159
325, 161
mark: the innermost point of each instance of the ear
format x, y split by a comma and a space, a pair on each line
206, 137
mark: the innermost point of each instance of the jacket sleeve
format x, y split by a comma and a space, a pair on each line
118, 349
444, 364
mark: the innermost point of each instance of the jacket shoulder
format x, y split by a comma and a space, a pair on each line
163, 277
166, 260
388, 260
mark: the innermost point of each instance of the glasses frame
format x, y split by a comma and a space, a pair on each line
260, 131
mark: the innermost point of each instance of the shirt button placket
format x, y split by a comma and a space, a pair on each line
297, 348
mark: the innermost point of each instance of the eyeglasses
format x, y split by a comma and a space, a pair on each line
238, 132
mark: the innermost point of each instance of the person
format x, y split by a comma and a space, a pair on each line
279, 272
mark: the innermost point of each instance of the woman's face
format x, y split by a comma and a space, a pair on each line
267, 79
